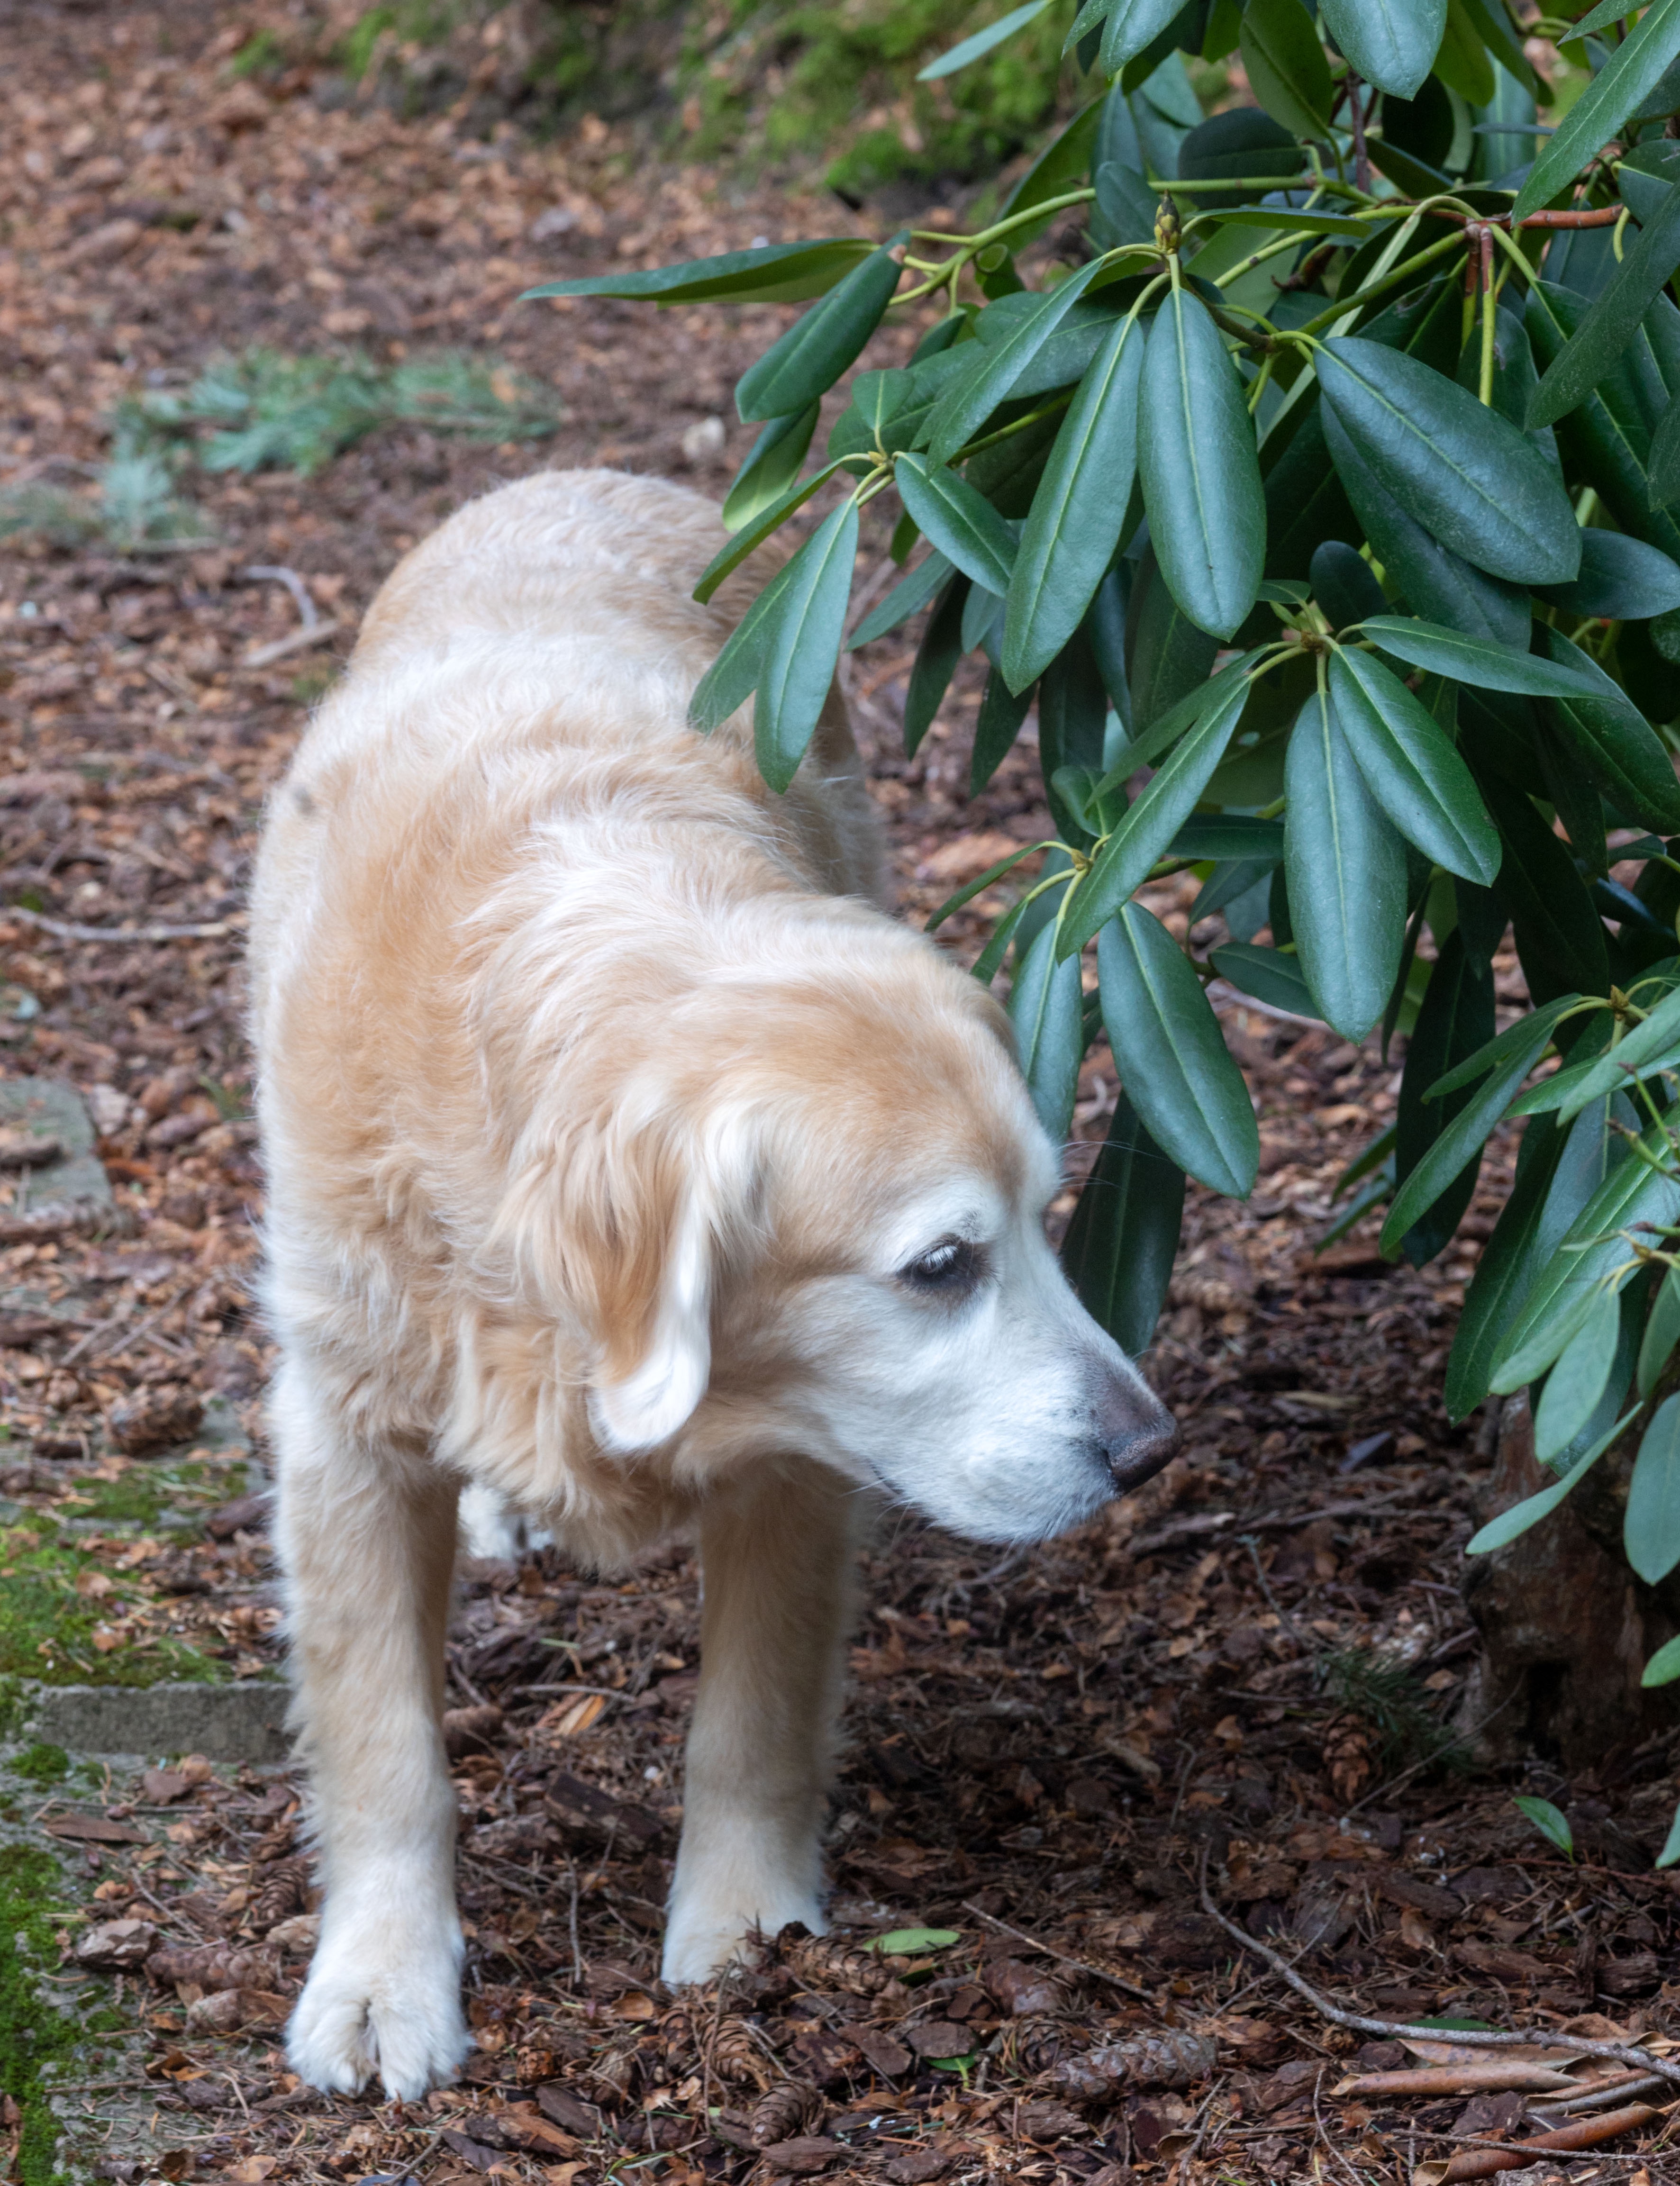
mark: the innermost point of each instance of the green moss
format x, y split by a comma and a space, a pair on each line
41, 1764
32, 2034
145, 1494
47, 1628
788, 80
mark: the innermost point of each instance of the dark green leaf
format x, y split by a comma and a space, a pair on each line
1306, 502
802, 643
1499, 1052
1620, 86
1201, 474
779, 272
1570, 787
1161, 808
1577, 1382
1228, 835
1651, 1527
1073, 726
1125, 207
1641, 1048
962, 523
1664, 462
1077, 514
751, 536
1462, 62
1393, 43
1614, 319
1619, 747
1243, 144
1621, 578
1119, 1248
871, 419
806, 360
1172, 1059
1001, 713
771, 468
1286, 67
1662, 1332
1267, 974
982, 41
1131, 25
972, 398
1442, 586
1556, 924
1347, 869
1462, 471
1461, 1138
1344, 586
1607, 438
907, 596
1506, 46
733, 676
935, 659
1508, 1265
1165, 729
1445, 652
1044, 1009
1410, 767
1167, 658
1632, 1193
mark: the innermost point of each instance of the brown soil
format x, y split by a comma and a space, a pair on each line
1044, 1747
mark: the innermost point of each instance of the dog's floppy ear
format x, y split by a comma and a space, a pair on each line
657, 1348
672, 1202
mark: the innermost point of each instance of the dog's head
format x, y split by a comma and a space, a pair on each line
819, 1228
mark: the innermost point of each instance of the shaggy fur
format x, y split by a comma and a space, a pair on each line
630, 1166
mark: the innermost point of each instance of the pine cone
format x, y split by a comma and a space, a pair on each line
785, 2110
828, 1962
1033, 2045
736, 2058
1347, 1756
281, 1894
1167, 2060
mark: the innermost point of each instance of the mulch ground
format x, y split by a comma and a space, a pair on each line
1045, 1750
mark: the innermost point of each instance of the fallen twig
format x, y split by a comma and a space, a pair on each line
1619, 2053
308, 613
1037, 1943
1593, 2099
296, 641
66, 929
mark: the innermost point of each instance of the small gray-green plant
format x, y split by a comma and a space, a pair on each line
266, 410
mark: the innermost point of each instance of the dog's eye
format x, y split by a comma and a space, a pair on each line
952, 1265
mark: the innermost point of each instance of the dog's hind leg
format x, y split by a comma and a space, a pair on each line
366, 1536
776, 1552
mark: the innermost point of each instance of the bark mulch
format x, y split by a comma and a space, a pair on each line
1250, 1669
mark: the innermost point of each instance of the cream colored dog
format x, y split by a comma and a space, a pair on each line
626, 1161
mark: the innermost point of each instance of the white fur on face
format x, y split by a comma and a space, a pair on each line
991, 1401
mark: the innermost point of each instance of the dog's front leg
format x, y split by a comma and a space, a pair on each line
776, 1556
366, 1536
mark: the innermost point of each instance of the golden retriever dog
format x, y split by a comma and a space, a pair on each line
628, 1164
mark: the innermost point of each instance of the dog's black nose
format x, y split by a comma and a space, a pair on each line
1140, 1435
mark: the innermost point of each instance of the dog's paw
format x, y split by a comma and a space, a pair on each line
368, 2009
701, 1938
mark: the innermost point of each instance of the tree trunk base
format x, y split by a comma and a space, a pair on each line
1567, 1627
